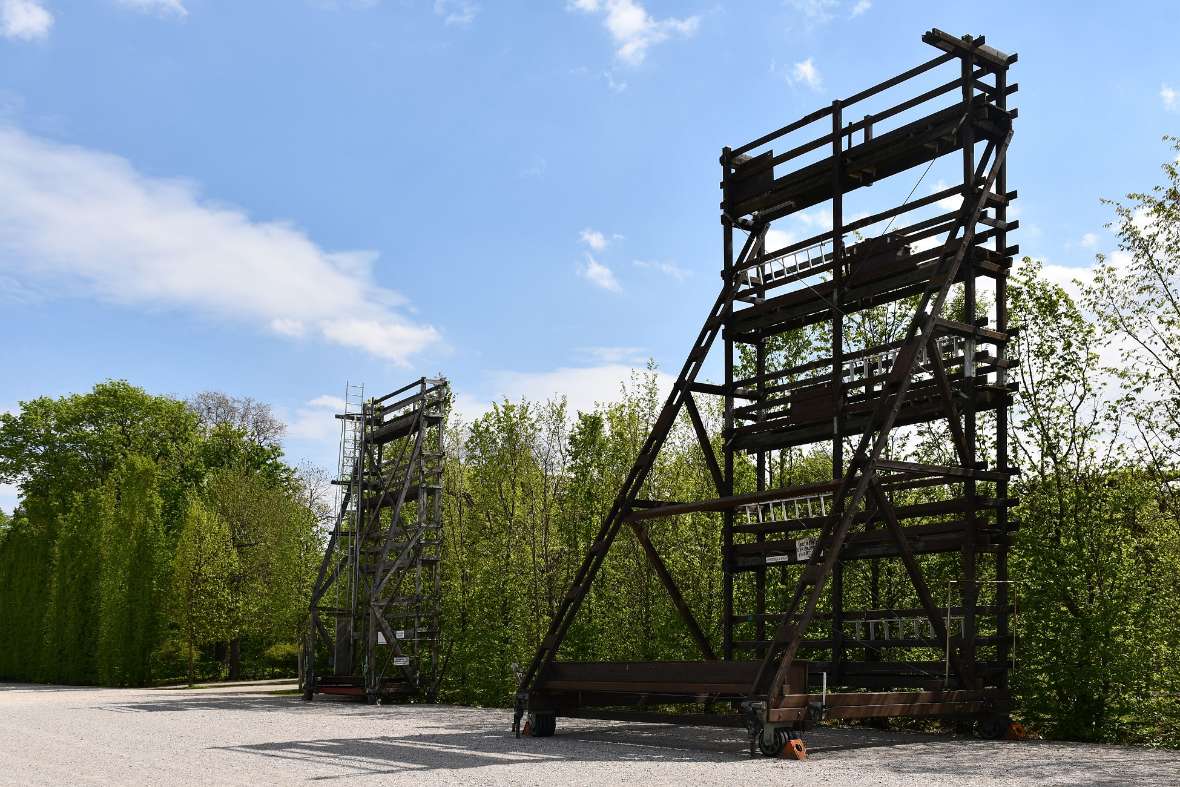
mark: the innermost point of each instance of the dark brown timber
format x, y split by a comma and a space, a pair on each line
853, 393
379, 577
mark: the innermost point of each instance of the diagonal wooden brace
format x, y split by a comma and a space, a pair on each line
657, 563
885, 508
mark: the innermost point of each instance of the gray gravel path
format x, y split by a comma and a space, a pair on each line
250, 735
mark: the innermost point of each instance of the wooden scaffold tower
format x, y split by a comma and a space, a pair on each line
378, 583
792, 647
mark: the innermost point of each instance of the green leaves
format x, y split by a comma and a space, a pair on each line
112, 483
205, 604
132, 576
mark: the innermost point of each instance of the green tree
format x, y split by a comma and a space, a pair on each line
1089, 555
275, 539
132, 584
206, 565
72, 623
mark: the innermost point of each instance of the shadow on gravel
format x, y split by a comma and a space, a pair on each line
258, 701
455, 751
455, 737
55, 689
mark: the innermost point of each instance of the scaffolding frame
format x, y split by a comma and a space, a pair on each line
379, 579
944, 367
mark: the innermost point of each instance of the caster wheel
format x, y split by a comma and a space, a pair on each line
993, 728
542, 725
771, 742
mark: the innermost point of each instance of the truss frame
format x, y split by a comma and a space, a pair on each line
937, 371
379, 578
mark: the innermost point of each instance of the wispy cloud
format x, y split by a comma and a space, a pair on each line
778, 239
315, 419
614, 355
337, 5
811, 14
1168, 96
805, 73
82, 222
594, 239
582, 386
599, 275
632, 28
1089, 240
535, 168
161, 7
814, 12
669, 269
456, 12
25, 20
953, 202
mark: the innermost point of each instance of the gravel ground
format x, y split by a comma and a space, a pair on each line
253, 735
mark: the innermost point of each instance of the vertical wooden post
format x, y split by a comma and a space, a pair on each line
760, 573
837, 367
970, 549
1002, 598
727, 435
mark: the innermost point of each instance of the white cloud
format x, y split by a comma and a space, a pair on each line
27, 20
288, 327
1168, 96
667, 268
616, 85
9, 495
1068, 277
599, 275
779, 239
633, 29
87, 223
814, 12
820, 218
316, 420
161, 7
456, 12
953, 202
805, 73
1089, 240
333, 403
1073, 278
583, 387
594, 239
614, 355
861, 7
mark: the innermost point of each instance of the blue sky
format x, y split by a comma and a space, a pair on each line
271, 197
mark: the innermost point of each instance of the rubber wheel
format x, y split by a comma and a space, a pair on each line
993, 728
774, 746
308, 686
544, 725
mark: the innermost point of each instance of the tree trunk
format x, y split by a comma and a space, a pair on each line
235, 658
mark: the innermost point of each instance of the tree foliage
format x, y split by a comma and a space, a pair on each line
112, 486
205, 569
